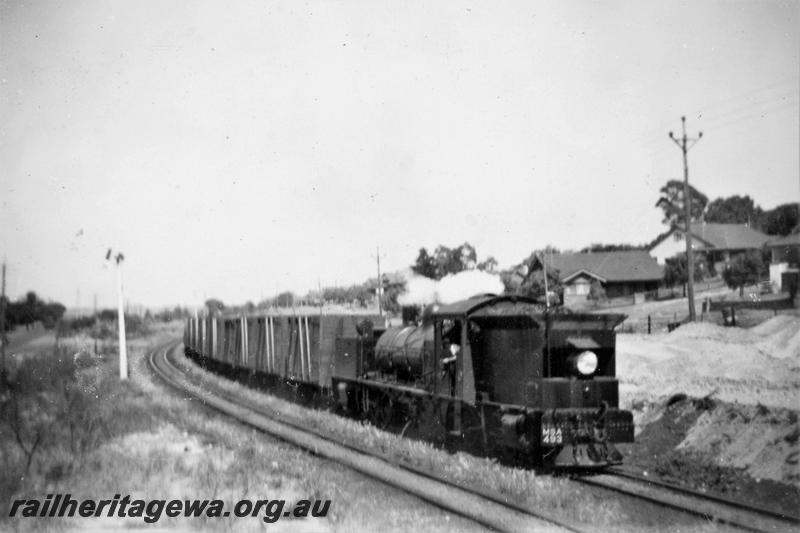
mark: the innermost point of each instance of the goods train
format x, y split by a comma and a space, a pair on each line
498, 375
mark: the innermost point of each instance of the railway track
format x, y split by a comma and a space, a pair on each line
479, 507
709, 506
488, 509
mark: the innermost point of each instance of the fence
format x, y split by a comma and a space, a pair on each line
669, 293
653, 324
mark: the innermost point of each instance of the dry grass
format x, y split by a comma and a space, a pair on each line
141, 439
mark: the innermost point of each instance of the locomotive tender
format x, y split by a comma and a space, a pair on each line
498, 375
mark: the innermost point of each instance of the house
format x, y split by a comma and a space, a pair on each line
785, 257
620, 273
719, 242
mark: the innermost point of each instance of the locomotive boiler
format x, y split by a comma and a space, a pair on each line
495, 375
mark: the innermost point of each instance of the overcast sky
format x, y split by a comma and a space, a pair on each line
233, 149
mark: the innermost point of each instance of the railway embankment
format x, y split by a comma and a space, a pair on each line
717, 408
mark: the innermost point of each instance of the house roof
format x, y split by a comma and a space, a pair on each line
727, 236
789, 240
629, 265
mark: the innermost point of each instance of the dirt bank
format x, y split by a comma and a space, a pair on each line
717, 408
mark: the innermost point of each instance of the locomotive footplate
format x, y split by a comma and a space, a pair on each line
585, 437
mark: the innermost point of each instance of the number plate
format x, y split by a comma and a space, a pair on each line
552, 435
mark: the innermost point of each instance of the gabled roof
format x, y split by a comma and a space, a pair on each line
792, 239
586, 273
628, 265
726, 236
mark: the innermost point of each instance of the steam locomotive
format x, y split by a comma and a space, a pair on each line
496, 375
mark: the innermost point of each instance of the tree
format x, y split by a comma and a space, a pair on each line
108, 315
781, 220
445, 261
389, 297
285, 298
52, 313
454, 260
596, 291
527, 279
360, 294
597, 247
744, 269
734, 210
676, 270
425, 265
488, 265
672, 203
30, 309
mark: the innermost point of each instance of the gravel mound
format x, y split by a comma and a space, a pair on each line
750, 379
751, 366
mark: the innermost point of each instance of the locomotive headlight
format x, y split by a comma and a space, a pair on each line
586, 362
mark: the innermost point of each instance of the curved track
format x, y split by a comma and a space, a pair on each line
491, 512
483, 507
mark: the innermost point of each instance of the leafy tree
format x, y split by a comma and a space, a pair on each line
30, 309
781, 220
744, 269
527, 279
734, 210
52, 313
355, 293
108, 315
672, 202
454, 260
597, 247
596, 291
285, 299
676, 270
488, 265
447, 260
425, 265
389, 298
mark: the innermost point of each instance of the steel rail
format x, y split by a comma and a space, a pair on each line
709, 506
792, 519
491, 512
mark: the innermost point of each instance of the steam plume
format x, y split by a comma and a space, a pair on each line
452, 288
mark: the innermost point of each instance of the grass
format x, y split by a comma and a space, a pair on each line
98, 437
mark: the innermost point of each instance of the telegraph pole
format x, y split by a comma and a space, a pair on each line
3, 331
683, 144
546, 291
380, 283
94, 319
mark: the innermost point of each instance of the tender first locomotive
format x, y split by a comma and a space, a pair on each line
499, 375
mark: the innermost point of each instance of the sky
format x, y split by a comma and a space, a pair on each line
237, 149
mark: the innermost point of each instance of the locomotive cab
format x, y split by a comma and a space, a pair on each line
546, 379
